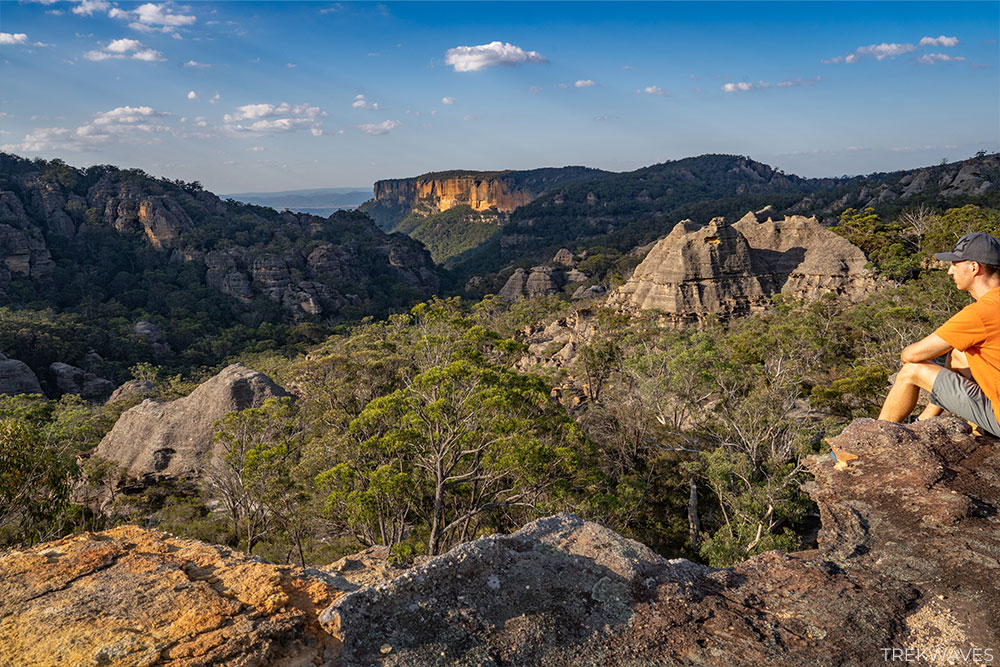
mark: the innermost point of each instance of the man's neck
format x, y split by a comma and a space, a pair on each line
982, 287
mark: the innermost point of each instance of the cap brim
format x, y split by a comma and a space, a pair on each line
947, 257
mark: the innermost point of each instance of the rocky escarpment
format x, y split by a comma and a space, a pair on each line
907, 560
502, 191
132, 597
731, 270
155, 440
313, 267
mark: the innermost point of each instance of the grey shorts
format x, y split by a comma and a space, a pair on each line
956, 393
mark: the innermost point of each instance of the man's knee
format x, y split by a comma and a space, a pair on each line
920, 374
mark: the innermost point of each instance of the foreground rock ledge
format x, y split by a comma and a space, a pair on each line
908, 557
136, 597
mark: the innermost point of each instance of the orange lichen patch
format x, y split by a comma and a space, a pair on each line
137, 597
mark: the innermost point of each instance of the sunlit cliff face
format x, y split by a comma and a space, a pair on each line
443, 194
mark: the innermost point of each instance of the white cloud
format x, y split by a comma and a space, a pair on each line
361, 103
931, 58
274, 119
124, 124
474, 58
153, 14
746, 86
884, 50
651, 90
123, 45
832, 61
256, 149
88, 7
121, 48
192, 95
939, 41
584, 83
384, 127
196, 64
447, 100
13, 38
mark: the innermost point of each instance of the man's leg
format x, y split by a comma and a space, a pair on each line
905, 390
955, 361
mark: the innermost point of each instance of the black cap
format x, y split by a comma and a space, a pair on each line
974, 247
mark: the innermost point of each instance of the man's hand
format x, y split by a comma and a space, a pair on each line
926, 349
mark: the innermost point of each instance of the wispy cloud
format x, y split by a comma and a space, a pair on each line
192, 95
584, 83
141, 124
931, 58
196, 64
474, 58
119, 49
651, 90
891, 50
375, 129
260, 119
747, 86
447, 100
361, 103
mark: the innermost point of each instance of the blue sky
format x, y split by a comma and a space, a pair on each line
258, 96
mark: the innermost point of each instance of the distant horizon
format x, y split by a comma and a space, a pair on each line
253, 97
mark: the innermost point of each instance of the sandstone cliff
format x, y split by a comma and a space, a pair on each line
908, 557
156, 440
731, 270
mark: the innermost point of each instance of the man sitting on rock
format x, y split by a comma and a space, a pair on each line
969, 383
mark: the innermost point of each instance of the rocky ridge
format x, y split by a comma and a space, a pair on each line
172, 440
313, 279
908, 557
733, 270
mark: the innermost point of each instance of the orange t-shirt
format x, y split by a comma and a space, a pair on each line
975, 330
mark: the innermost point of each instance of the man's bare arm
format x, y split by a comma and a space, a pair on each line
924, 350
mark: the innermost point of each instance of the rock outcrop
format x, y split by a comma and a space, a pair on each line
732, 270
72, 380
695, 271
907, 558
17, 378
132, 597
156, 440
808, 260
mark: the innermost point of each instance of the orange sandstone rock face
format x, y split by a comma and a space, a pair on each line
137, 597
442, 194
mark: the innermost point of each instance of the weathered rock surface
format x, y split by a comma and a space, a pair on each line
17, 378
134, 597
695, 271
72, 380
732, 270
172, 440
131, 388
909, 556
808, 260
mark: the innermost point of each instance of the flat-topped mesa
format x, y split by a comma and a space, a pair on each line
733, 270
695, 271
476, 191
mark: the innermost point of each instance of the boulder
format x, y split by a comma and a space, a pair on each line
155, 440
17, 378
130, 596
131, 388
72, 380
